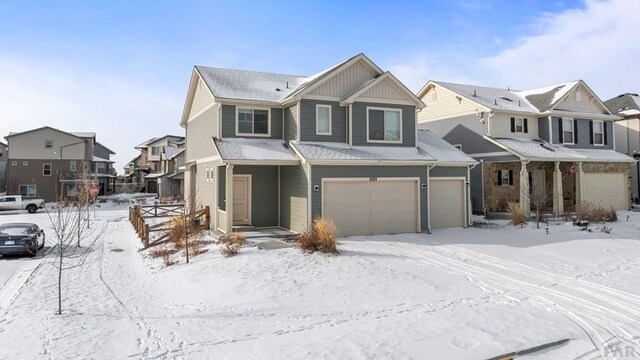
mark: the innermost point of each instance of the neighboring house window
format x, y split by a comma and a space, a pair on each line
253, 122
598, 132
505, 177
155, 150
384, 125
28, 190
92, 167
323, 119
46, 169
14, 163
48, 144
25, 163
73, 166
567, 131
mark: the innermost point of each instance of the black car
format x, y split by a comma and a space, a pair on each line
21, 239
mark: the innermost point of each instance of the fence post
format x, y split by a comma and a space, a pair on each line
146, 236
207, 218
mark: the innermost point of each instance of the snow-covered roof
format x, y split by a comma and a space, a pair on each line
546, 97
154, 175
629, 112
335, 151
171, 152
240, 149
177, 176
540, 150
627, 104
492, 98
99, 159
441, 150
249, 85
84, 134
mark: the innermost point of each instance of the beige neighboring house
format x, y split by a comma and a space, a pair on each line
145, 170
627, 131
49, 163
3, 166
553, 146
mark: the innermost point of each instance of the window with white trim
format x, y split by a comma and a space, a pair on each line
518, 125
73, 166
14, 163
323, 119
155, 150
598, 132
384, 125
253, 122
48, 144
25, 163
28, 190
567, 131
505, 177
46, 169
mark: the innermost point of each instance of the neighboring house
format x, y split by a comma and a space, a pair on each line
268, 150
102, 168
146, 168
171, 183
627, 131
559, 139
49, 163
3, 166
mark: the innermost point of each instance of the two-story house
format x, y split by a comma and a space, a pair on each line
102, 168
553, 146
171, 183
49, 163
3, 167
274, 150
147, 167
627, 133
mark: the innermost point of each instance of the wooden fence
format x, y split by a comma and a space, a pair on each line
138, 214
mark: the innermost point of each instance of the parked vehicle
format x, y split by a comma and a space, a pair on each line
21, 238
17, 202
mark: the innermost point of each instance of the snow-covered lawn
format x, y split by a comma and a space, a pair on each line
455, 294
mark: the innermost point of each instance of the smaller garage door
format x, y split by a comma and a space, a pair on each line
447, 203
371, 207
607, 190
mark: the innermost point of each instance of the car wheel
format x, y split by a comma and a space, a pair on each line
32, 209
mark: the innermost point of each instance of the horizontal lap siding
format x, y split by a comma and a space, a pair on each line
264, 194
293, 198
320, 172
359, 123
200, 130
229, 122
308, 123
205, 191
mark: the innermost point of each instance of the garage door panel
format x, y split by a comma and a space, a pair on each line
607, 190
447, 203
371, 207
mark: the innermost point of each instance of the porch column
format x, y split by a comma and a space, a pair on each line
579, 193
525, 203
228, 198
558, 199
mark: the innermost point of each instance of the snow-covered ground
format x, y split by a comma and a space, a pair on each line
455, 294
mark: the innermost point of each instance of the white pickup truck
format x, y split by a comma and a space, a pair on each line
16, 202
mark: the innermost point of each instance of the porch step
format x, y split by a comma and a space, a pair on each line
243, 228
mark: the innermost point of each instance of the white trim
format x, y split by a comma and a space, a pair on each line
249, 197
573, 131
238, 133
50, 169
279, 195
515, 125
385, 101
309, 197
593, 132
384, 126
298, 121
488, 154
323, 106
350, 124
321, 97
371, 162
217, 159
261, 162
379, 179
216, 195
580, 115
550, 130
468, 199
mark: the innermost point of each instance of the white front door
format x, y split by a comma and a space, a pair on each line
241, 199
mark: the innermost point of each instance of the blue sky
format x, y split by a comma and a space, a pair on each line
121, 68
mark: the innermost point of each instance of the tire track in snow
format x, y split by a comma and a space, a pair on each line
573, 307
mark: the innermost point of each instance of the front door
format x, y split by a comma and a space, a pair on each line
241, 199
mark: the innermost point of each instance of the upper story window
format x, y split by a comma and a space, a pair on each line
48, 144
567, 131
253, 122
519, 125
598, 132
155, 150
323, 119
73, 166
384, 125
46, 169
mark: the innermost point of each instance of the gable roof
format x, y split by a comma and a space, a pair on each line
266, 151
171, 152
441, 150
2, 144
627, 104
547, 97
41, 128
88, 135
146, 144
106, 148
371, 83
334, 151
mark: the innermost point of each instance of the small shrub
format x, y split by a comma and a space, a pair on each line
325, 232
164, 252
231, 244
307, 241
178, 225
516, 213
594, 213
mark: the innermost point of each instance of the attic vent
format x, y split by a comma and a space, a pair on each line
519, 103
278, 89
287, 84
505, 98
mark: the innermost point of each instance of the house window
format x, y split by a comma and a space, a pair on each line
46, 169
73, 166
28, 190
25, 163
253, 122
567, 131
384, 125
598, 132
155, 150
518, 125
48, 144
323, 120
505, 177
14, 163
578, 96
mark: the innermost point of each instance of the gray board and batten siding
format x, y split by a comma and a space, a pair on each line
359, 124
319, 172
583, 127
290, 125
308, 124
229, 122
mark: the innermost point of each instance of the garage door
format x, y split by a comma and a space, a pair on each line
606, 190
447, 203
371, 207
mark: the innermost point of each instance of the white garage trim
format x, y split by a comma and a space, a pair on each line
380, 179
465, 196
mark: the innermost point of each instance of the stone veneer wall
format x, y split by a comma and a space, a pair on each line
496, 196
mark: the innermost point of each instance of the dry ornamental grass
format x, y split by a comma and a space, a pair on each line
516, 213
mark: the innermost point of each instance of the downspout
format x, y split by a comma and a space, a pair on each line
429, 167
489, 116
468, 187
